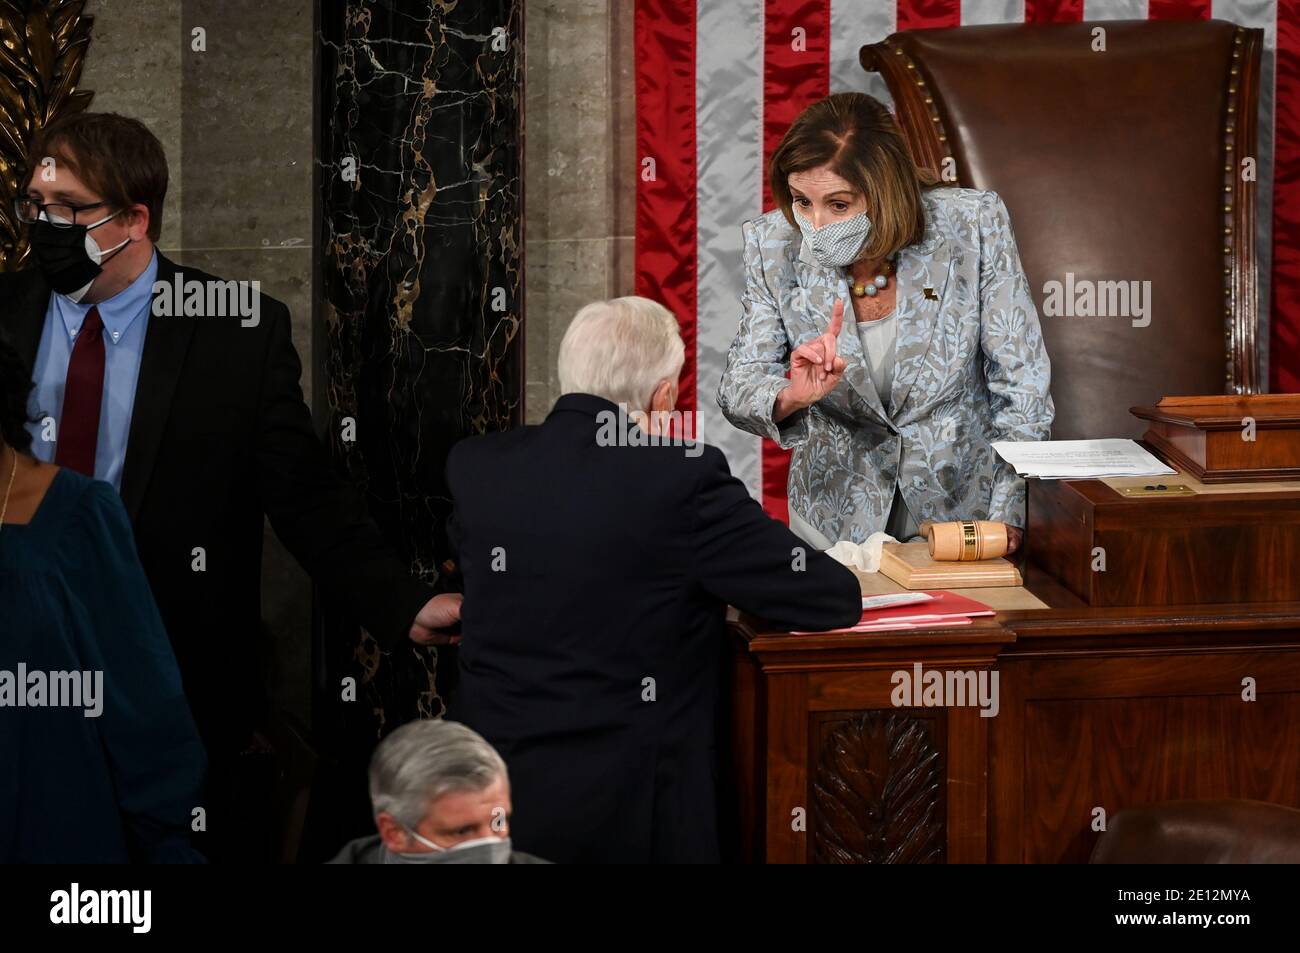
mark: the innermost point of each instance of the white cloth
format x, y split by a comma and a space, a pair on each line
865, 557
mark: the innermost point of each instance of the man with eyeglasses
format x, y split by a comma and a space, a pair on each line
198, 421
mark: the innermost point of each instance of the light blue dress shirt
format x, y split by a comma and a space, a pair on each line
126, 319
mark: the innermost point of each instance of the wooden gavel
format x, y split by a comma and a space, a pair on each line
965, 540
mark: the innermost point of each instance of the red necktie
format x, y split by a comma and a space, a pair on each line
82, 396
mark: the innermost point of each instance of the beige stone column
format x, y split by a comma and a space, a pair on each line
580, 173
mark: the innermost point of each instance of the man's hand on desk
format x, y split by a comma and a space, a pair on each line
440, 612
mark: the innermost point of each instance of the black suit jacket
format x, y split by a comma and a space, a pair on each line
220, 436
596, 583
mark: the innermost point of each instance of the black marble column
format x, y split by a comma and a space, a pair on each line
419, 310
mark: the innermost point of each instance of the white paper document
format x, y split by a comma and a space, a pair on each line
894, 599
1080, 459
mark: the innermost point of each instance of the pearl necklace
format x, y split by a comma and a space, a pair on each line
876, 285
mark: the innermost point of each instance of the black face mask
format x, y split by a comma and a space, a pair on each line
63, 256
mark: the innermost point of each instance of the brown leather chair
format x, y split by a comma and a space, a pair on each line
1123, 165
1201, 832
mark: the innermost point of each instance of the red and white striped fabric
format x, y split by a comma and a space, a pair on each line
719, 81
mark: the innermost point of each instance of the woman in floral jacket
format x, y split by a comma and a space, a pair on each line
902, 315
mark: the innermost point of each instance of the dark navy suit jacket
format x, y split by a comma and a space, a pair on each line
596, 584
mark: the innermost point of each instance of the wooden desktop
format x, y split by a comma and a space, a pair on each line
1098, 708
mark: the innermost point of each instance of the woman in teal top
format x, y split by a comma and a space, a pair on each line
99, 758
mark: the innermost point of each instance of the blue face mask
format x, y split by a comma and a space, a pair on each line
481, 850
835, 244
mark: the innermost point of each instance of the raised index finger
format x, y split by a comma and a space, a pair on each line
833, 332
837, 318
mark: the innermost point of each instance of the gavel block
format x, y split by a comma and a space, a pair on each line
912, 567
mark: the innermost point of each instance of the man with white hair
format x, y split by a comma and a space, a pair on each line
440, 795
599, 552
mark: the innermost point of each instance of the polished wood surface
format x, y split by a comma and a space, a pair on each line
1202, 549
995, 597
1225, 439
1098, 709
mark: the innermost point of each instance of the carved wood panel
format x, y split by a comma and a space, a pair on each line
877, 787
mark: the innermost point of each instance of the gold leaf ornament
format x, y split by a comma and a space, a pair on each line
43, 46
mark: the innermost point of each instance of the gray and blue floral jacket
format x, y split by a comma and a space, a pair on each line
970, 368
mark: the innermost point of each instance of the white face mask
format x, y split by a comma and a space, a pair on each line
835, 244
481, 850
93, 251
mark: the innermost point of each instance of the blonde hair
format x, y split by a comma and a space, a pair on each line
620, 350
857, 138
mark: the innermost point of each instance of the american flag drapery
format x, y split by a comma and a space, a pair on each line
719, 81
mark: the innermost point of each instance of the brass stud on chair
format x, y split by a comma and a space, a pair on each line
1228, 188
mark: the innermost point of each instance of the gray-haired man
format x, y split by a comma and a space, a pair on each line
599, 561
441, 795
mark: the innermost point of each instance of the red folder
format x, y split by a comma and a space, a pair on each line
945, 609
